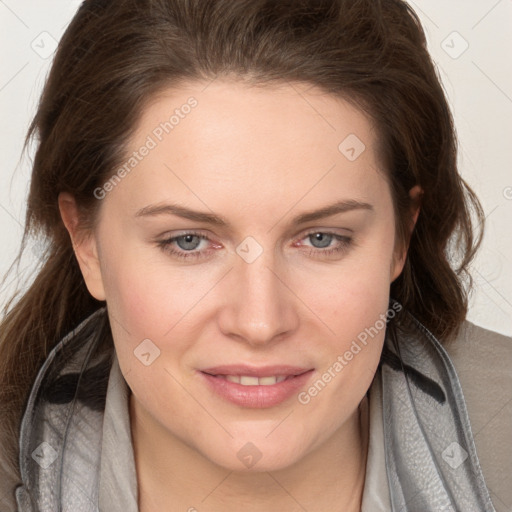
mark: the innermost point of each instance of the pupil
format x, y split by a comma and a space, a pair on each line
185, 242
323, 238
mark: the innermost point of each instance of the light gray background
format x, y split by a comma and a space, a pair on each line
477, 79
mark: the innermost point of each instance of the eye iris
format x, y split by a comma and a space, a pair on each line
323, 238
188, 242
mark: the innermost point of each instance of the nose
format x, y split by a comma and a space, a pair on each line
260, 307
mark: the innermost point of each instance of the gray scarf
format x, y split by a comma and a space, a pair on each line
431, 461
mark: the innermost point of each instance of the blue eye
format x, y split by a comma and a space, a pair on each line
324, 240
188, 241
185, 245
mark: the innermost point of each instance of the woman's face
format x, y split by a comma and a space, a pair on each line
252, 238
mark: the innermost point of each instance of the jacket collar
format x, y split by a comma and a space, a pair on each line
118, 479
430, 457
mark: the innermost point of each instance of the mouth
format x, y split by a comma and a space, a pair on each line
256, 387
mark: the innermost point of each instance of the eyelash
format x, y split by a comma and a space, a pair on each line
165, 245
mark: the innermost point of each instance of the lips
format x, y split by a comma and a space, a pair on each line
253, 387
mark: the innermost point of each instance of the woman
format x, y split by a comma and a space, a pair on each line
253, 212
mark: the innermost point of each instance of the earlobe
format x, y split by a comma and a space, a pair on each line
84, 246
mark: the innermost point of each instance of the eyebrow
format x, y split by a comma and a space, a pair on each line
216, 220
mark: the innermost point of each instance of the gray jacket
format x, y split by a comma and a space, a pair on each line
76, 452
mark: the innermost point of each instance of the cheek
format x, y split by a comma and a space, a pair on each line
350, 296
143, 293
355, 312
147, 305
358, 320
352, 302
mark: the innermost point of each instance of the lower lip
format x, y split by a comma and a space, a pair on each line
257, 397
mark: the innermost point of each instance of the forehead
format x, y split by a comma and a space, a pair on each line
229, 140
295, 113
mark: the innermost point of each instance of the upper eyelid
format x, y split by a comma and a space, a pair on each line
303, 232
301, 236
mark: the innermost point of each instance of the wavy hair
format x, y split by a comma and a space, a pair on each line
116, 55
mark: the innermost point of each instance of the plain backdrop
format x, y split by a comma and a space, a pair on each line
470, 41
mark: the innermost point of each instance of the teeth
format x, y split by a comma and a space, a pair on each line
247, 380
267, 381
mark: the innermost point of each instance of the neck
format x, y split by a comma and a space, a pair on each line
174, 477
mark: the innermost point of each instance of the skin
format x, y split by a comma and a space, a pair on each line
257, 156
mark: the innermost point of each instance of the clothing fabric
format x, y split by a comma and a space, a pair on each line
76, 452
118, 487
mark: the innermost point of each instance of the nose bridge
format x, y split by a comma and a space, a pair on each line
261, 307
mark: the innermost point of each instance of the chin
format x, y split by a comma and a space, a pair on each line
257, 455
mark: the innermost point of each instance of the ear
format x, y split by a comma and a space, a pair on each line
400, 256
84, 245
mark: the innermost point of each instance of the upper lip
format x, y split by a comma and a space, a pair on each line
253, 371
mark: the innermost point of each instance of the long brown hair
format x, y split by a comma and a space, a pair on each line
115, 55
